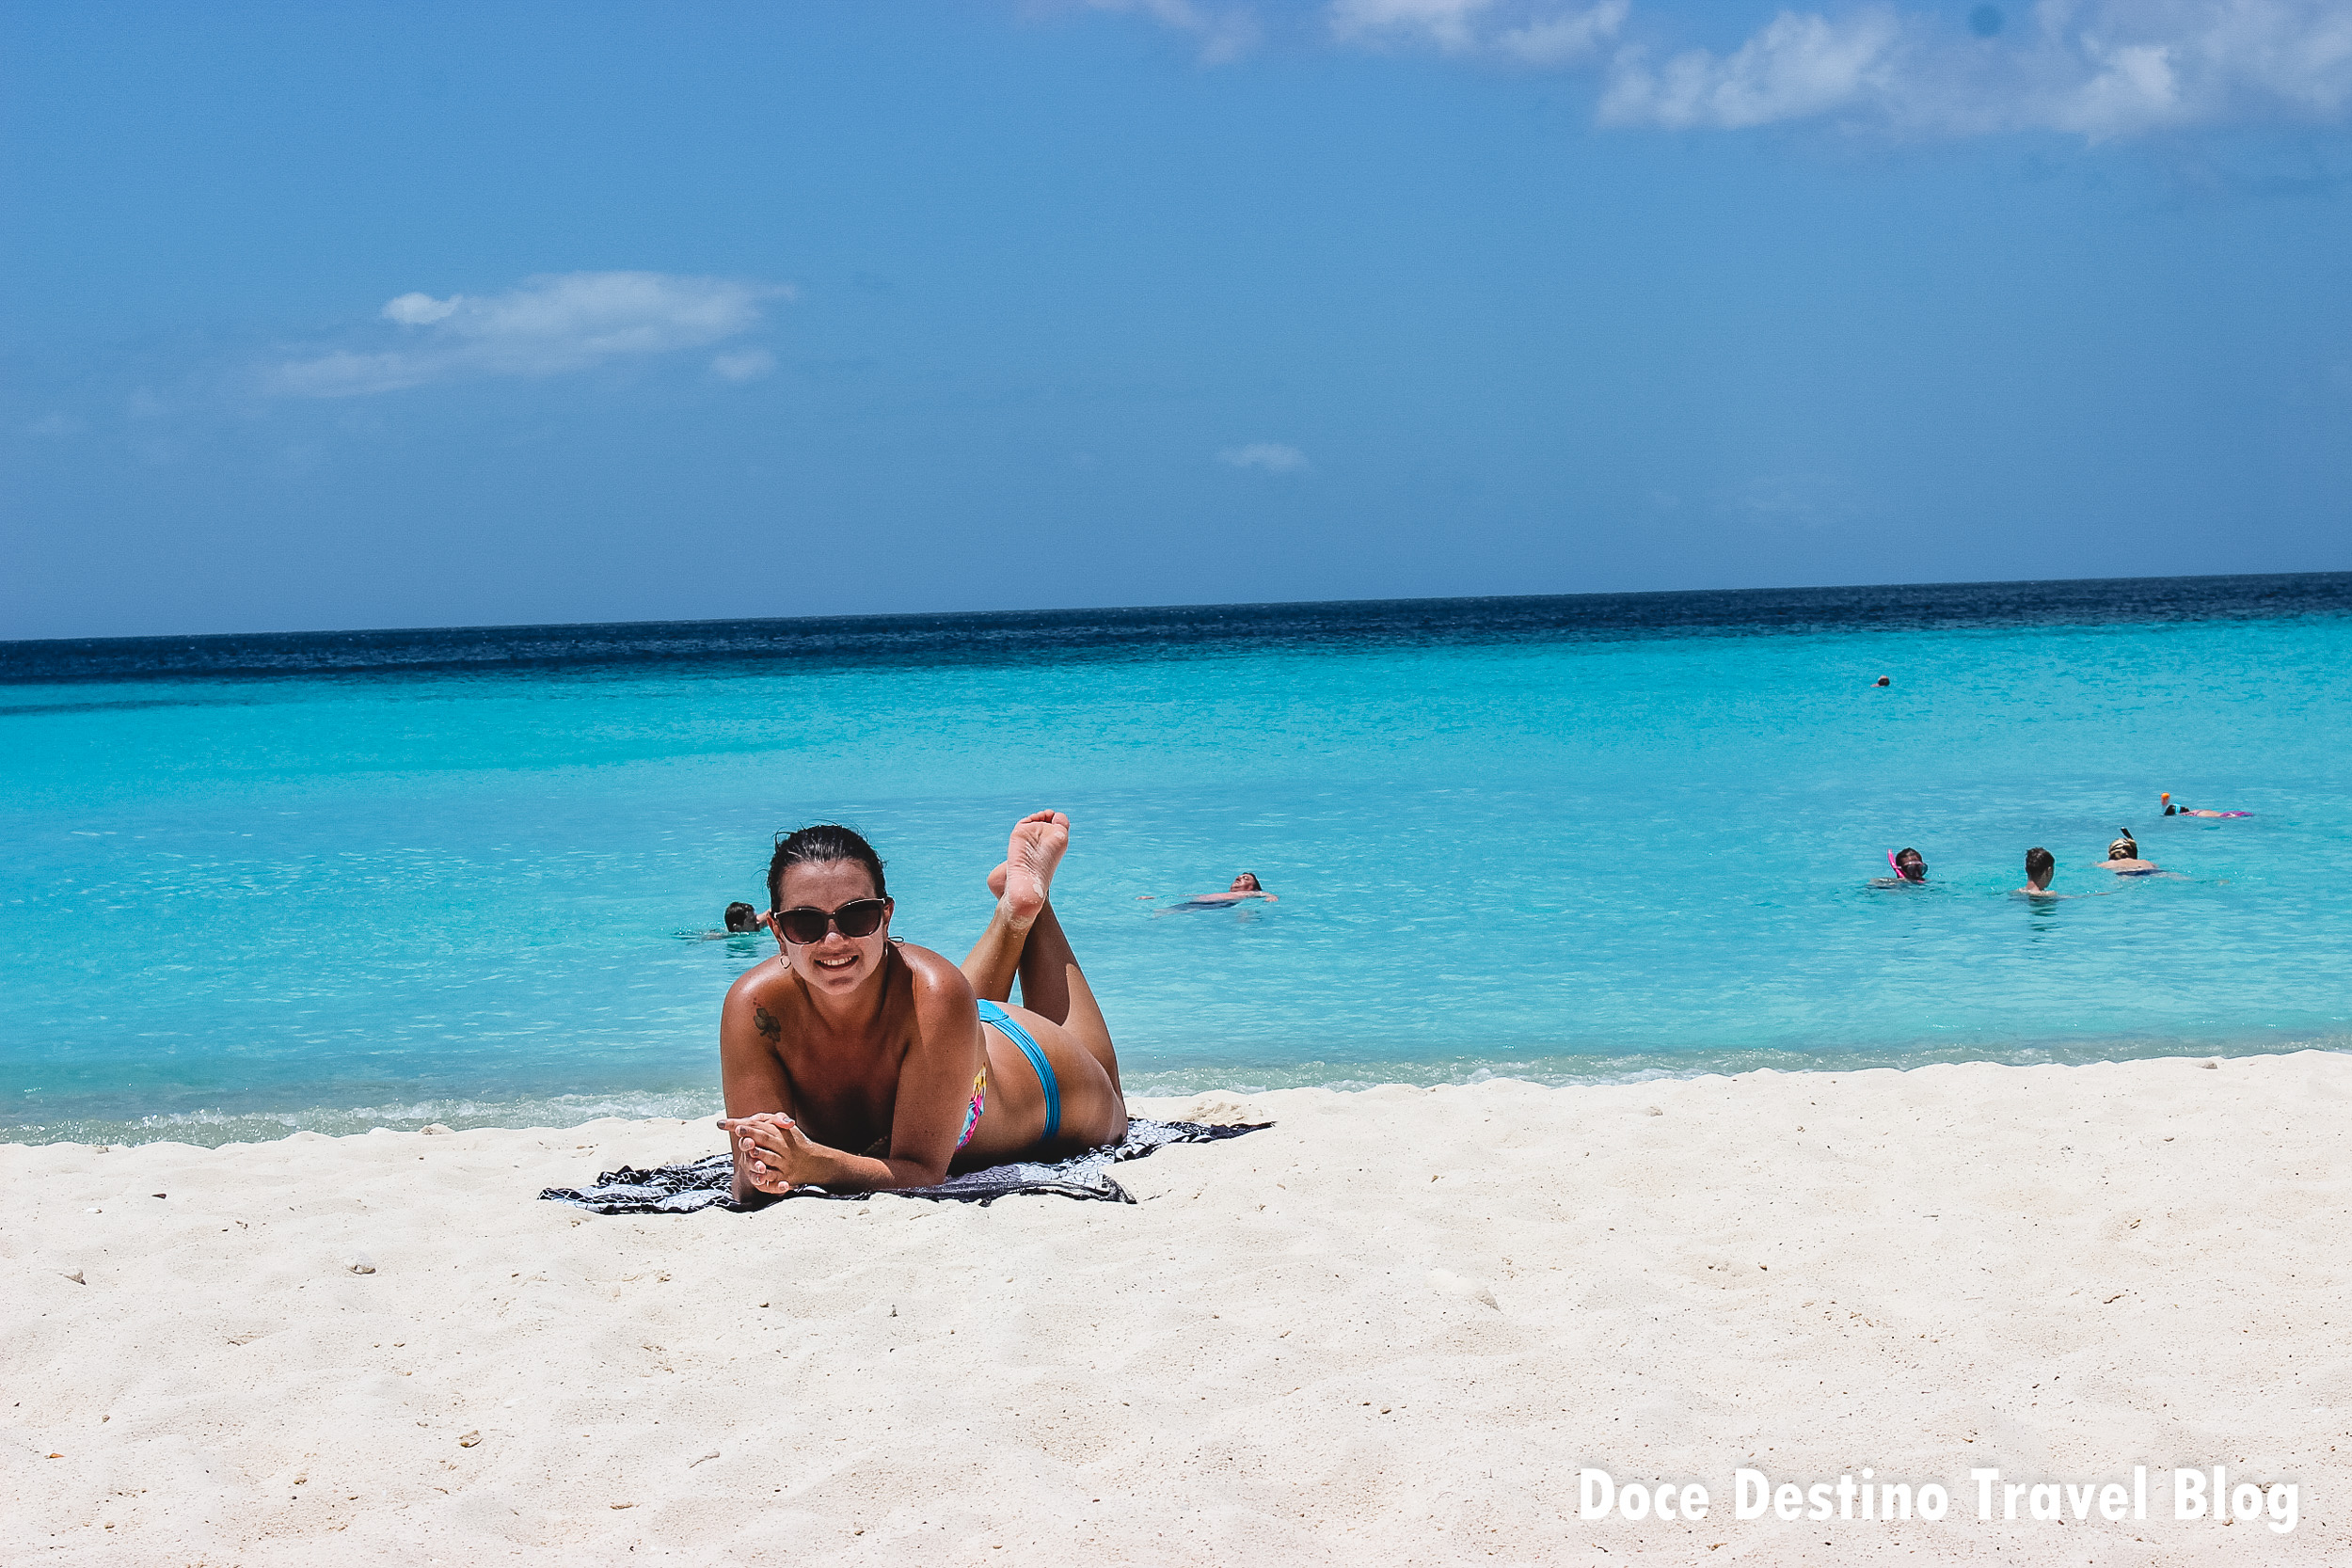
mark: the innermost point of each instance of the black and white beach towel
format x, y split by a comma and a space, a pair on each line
707, 1183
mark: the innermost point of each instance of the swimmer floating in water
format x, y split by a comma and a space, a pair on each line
858, 1063
1245, 887
2171, 810
2040, 865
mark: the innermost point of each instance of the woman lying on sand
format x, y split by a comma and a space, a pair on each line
853, 1062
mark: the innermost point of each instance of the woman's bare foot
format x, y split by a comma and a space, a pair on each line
1023, 883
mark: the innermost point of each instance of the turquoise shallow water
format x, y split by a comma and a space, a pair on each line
239, 903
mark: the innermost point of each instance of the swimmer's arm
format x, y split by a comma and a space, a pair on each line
750, 1067
935, 1080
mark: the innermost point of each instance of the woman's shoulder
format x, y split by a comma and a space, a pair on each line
757, 980
936, 989
930, 971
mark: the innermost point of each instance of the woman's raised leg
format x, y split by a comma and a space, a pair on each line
1025, 941
1021, 884
1053, 984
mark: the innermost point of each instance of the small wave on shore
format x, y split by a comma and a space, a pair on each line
211, 1128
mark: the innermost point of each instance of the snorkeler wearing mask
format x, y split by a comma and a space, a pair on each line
2123, 857
1910, 868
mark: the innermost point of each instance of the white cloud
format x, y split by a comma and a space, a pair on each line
551, 325
1446, 24
745, 365
1557, 40
420, 310
1536, 34
2186, 62
1271, 457
1796, 67
2103, 68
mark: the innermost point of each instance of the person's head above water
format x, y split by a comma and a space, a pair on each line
1911, 865
2040, 866
742, 917
2169, 809
2124, 848
831, 909
1246, 882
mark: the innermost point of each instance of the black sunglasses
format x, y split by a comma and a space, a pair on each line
805, 927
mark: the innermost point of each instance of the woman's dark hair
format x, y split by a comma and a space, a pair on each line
1255, 886
820, 845
2038, 860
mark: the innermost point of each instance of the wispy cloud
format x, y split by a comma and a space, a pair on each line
743, 365
2100, 69
551, 325
1271, 457
1534, 34
1797, 66
1221, 33
1783, 503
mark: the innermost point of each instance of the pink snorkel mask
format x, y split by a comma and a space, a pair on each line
1903, 875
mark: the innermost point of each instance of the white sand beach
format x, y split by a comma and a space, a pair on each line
1389, 1329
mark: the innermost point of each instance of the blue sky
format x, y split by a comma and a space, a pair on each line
496, 313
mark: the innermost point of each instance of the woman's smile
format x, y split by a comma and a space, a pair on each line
834, 965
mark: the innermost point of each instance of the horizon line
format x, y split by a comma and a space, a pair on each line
6, 644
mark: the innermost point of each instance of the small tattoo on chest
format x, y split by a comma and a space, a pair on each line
768, 1028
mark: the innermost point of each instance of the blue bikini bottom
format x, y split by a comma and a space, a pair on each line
997, 1019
